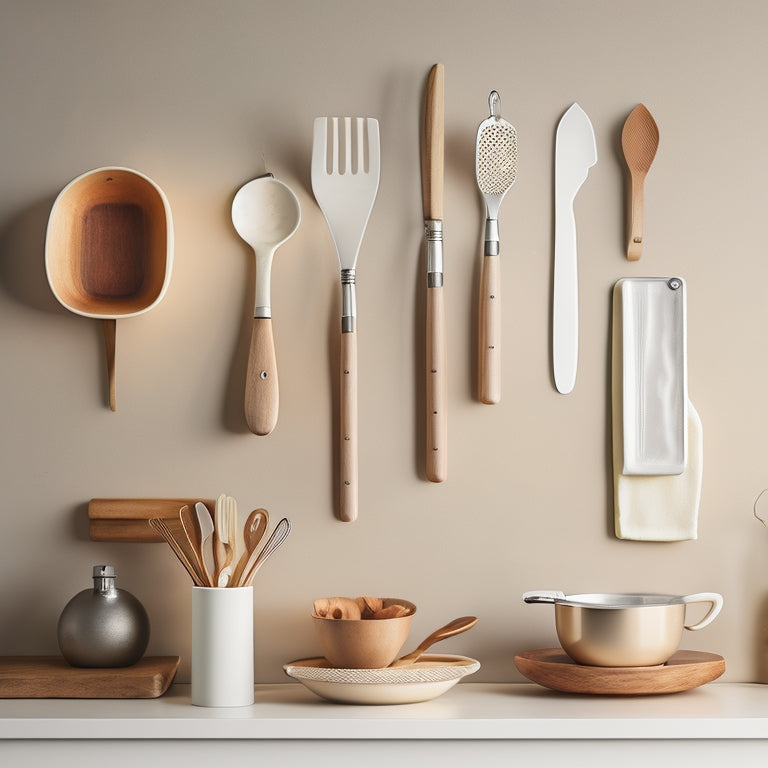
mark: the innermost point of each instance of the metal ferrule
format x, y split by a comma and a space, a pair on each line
262, 312
348, 301
433, 231
491, 237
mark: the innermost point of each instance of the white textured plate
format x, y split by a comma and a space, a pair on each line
426, 679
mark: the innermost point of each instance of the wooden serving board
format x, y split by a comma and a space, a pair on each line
50, 677
553, 668
127, 519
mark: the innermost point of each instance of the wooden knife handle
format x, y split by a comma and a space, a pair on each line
436, 440
348, 458
489, 331
261, 390
433, 144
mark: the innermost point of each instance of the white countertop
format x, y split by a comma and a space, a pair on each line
467, 711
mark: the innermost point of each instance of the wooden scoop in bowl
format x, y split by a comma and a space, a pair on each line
109, 249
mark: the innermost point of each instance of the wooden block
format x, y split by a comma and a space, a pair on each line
126, 519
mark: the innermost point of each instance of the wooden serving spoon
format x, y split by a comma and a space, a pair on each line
639, 140
253, 531
276, 538
455, 627
191, 524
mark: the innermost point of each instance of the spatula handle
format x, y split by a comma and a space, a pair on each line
635, 245
348, 429
437, 422
261, 390
565, 299
489, 331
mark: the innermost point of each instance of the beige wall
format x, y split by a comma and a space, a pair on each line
194, 94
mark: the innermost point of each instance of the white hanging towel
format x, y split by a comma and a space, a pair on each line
657, 433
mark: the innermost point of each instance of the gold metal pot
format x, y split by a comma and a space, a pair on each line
623, 629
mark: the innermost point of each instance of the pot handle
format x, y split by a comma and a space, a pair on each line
705, 597
543, 596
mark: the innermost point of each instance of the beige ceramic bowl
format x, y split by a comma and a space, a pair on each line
363, 643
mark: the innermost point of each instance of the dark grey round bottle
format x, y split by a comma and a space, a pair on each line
104, 626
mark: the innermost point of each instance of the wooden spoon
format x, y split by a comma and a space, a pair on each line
265, 213
191, 525
454, 627
253, 531
276, 538
639, 140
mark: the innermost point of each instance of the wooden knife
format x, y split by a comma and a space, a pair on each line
432, 152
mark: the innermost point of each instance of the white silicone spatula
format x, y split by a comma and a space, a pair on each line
575, 154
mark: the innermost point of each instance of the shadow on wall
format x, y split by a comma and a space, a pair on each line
22, 258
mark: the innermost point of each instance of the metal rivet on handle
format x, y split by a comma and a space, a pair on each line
674, 283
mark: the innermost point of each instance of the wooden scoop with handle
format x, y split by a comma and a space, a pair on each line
253, 531
639, 140
265, 213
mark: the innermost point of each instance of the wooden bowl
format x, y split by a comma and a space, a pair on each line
363, 643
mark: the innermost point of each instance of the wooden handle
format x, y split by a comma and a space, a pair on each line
110, 342
635, 246
261, 391
432, 149
436, 448
348, 429
489, 331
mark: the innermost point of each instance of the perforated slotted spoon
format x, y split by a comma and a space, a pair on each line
345, 180
496, 171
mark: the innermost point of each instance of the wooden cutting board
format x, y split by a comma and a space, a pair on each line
50, 677
553, 668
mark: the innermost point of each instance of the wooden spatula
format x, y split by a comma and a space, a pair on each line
639, 140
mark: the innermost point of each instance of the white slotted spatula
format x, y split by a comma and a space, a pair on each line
345, 180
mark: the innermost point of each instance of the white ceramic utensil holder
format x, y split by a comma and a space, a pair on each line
222, 646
